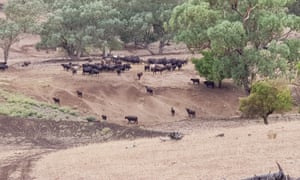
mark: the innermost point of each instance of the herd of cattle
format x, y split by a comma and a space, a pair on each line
121, 64
130, 118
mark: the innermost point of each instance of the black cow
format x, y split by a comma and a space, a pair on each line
191, 113
67, 66
86, 69
133, 119
149, 90
79, 93
147, 68
3, 66
157, 68
56, 100
119, 70
74, 71
209, 84
139, 75
104, 117
126, 66
179, 66
25, 63
172, 111
195, 80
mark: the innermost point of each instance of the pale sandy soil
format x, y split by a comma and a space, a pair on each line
242, 152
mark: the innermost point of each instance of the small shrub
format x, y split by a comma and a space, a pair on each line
266, 98
105, 131
17, 105
90, 118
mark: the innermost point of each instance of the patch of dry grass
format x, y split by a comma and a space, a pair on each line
18, 105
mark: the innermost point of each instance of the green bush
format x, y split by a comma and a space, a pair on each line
90, 118
18, 105
266, 98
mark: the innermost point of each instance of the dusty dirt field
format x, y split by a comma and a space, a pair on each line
242, 152
34, 151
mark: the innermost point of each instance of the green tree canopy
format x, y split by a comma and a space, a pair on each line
76, 25
9, 32
253, 36
144, 21
210, 67
20, 17
266, 98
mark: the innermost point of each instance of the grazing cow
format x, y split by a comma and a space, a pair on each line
195, 80
3, 66
147, 68
179, 66
149, 90
67, 66
133, 119
172, 111
74, 71
139, 75
209, 84
86, 69
119, 71
191, 113
126, 66
104, 117
157, 68
56, 100
79, 93
25, 63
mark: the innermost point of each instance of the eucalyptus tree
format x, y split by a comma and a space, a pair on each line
252, 36
9, 32
77, 25
144, 21
21, 16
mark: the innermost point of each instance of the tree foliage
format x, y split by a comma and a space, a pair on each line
20, 17
25, 13
76, 25
9, 32
295, 8
211, 67
266, 98
252, 35
144, 21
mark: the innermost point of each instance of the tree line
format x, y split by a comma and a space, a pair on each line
239, 39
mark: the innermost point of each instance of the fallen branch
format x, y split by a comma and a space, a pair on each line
271, 176
176, 135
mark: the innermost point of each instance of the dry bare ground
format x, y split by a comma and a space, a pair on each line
242, 152
34, 151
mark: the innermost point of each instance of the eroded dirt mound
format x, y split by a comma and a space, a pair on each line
62, 134
23, 141
117, 96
